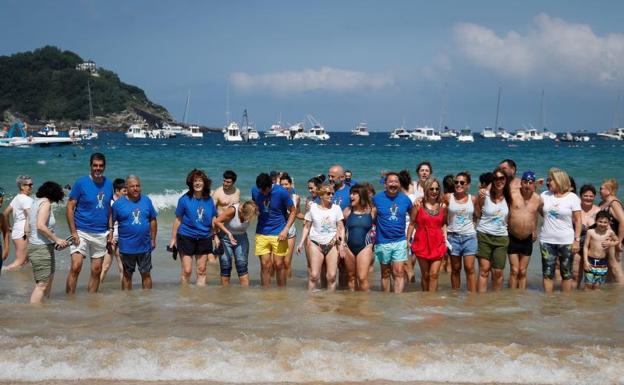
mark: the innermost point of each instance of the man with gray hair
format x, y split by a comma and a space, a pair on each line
136, 216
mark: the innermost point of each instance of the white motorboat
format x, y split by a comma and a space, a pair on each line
49, 130
317, 132
297, 131
400, 133
172, 130
232, 133
276, 131
532, 134
448, 133
519, 136
137, 131
488, 133
426, 134
248, 130
361, 130
192, 131
83, 133
547, 134
16, 136
252, 134
613, 133
465, 135
502, 133
581, 136
567, 137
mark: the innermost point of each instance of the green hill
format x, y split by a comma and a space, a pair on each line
45, 85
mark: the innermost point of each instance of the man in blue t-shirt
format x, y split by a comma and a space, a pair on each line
391, 243
277, 215
136, 216
348, 179
89, 221
341, 190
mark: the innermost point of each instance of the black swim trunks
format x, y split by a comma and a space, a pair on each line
520, 246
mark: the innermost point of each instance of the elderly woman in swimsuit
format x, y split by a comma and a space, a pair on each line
612, 205
323, 233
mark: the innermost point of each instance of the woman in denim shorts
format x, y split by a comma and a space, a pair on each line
461, 234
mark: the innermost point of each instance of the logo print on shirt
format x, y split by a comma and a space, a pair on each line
461, 217
200, 213
394, 210
136, 214
553, 212
338, 200
266, 204
325, 225
100, 199
497, 220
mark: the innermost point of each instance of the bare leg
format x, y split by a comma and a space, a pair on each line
21, 254
202, 262
514, 270
94, 278
522, 274
350, 266
331, 261
266, 266
288, 256
74, 271
456, 264
398, 274
423, 264
146, 280
244, 280
280, 270
362, 263
186, 264
548, 285
225, 281
41, 290
126, 281
434, 272
106, 264
315, 256
471, 275
484, 273
386, 271
615, 266
497, 279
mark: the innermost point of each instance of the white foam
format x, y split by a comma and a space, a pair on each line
41, 162
280, 359
166, 200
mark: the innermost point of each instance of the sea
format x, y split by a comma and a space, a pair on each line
221, 335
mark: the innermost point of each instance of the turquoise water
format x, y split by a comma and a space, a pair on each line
193, 335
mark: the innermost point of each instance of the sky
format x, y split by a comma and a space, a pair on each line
387, 63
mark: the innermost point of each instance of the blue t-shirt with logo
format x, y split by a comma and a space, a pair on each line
195, 216
342, 198
391, 212
93, 202
134, 224
273, 208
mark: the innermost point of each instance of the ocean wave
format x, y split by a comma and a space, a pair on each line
281, 359
168, 199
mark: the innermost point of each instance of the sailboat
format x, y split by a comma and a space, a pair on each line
193, 130
248, 130
616, 132
87, 133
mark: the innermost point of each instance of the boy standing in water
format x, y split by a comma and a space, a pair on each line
599, 244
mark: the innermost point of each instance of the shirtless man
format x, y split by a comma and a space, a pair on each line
509, 168
522, 228
224, 196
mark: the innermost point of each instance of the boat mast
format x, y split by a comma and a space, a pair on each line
616, 115
227, 104
542, 120
443, 112
186, 107
497, 110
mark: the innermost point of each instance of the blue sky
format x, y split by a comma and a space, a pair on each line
383, 62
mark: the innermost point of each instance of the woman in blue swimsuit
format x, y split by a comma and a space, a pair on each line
359, 219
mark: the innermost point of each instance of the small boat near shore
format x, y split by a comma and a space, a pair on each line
17, 136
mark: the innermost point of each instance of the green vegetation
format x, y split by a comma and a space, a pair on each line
44, 84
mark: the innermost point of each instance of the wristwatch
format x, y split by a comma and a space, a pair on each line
577, 239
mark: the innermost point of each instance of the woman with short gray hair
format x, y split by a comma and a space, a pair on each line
19, 207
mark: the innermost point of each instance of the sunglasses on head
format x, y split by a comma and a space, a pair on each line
460, 182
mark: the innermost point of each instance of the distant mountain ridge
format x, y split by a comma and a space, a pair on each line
51, 84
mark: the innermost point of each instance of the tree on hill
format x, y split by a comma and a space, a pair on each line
44, 84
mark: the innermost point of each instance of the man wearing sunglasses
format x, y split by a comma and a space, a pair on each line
522, 228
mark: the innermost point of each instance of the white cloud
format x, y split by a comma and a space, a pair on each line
324, 79
552, 49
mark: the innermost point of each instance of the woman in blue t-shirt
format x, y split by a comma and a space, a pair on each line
192, 228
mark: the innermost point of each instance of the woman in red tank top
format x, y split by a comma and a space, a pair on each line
429, 244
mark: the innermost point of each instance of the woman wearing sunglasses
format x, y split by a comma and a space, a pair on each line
323, 233
492, 236
461, 233
429, 245
19, 208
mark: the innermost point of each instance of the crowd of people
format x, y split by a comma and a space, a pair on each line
346, 226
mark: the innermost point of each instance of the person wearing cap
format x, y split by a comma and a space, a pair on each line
522, 228
4, 229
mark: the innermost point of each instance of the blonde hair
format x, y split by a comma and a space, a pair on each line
249, 210
326, 188
428, 183
561, 179
611, 184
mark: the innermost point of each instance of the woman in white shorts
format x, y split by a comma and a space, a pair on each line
19, 207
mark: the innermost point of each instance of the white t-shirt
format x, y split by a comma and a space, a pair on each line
324, 222
557, 228
20, 203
